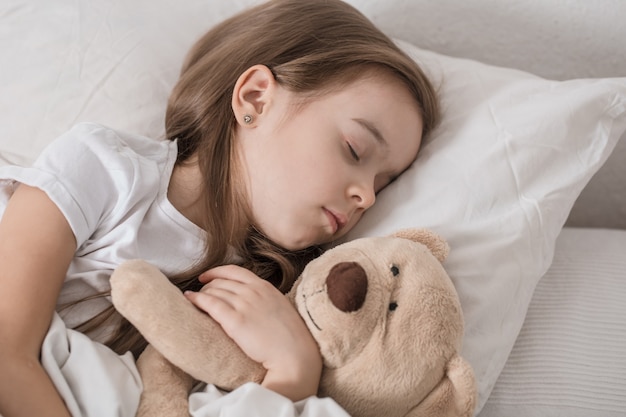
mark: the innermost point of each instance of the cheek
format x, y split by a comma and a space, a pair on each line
380, 182
353, 222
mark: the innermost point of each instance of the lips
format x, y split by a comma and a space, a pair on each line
336, 220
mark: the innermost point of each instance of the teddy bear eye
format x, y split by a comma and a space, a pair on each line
395, 270
393, 306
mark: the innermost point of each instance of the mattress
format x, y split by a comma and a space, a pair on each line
570, 357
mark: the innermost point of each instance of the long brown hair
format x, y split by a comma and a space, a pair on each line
310, 46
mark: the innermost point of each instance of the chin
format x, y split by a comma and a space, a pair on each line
294, 240
295, 243
289, 242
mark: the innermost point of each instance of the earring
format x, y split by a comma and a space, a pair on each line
247, 119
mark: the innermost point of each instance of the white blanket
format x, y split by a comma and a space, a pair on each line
96, 382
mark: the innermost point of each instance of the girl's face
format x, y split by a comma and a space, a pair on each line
312, 171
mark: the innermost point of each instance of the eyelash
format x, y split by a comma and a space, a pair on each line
353, 152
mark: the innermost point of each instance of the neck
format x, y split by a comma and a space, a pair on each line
185, 191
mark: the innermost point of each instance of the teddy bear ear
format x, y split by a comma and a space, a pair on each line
454, 396
435, 243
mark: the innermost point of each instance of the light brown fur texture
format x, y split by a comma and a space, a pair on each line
383, 311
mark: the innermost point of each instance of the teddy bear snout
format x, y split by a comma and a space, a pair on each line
346, 286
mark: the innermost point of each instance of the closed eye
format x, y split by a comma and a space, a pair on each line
353, 152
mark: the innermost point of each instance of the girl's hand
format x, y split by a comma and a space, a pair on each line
265, 325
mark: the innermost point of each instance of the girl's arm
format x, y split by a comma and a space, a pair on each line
266, 326
36, 247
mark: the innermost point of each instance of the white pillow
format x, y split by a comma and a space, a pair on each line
497, 178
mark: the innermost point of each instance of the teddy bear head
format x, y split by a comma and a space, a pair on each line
389, 325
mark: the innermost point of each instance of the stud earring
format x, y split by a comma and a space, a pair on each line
247, 119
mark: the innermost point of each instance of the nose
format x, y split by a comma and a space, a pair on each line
364, 195
346, 286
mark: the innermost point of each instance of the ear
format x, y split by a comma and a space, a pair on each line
454, 396
435, 243
252, 93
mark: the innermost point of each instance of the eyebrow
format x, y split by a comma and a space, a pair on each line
373, 130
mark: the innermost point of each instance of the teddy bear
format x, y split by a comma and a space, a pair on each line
383, 310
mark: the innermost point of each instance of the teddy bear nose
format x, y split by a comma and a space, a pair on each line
346, 286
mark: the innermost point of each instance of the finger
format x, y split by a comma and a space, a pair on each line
220, 309
232, 272
223, 271
242, 282
240, 295
235, 287
240, 301
210, 301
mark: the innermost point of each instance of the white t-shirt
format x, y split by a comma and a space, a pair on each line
112, 188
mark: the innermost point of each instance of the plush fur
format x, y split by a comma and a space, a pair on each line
383, 311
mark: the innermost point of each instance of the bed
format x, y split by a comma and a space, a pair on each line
525, 177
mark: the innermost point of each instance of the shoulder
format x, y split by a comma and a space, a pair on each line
95, 174
90, 153
107, 143
94, 160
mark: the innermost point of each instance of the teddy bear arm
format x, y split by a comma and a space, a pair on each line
187, 337
165, 387
454, 396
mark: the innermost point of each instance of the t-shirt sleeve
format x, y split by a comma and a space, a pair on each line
86, 172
